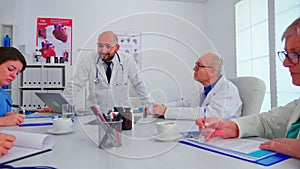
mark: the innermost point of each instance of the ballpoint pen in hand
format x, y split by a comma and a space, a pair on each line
204, 116
202, 137
22, 111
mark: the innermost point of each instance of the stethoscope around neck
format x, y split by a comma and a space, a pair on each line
97, 79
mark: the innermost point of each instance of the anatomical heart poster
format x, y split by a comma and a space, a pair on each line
54, 39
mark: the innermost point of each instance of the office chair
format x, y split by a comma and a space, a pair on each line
252, 92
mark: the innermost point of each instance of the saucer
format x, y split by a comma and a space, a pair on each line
158, 138
60, 132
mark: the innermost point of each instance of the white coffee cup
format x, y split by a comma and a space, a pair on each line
166, 129
62, 124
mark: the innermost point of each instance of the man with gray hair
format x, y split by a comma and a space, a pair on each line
219, 97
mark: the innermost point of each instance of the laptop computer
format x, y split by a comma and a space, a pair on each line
52, 100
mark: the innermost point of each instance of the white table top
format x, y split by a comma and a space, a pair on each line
139, 149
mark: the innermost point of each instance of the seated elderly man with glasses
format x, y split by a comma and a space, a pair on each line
219, 97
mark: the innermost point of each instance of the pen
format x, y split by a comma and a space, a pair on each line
32, 117
16, 106
7, 101
201, 136
205, 116
35, 124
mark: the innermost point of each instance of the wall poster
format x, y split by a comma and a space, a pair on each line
130, 43
54, 39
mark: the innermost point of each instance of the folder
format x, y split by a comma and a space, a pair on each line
260, 157
45, 77
36, 77
30, 77
57, 77
26, 98
50, 77
24, 75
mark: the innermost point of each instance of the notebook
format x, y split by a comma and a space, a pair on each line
243, 149
26, 145
52, 100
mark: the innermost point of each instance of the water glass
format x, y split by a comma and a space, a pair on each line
68, 111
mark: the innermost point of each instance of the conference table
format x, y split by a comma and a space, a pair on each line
79, 150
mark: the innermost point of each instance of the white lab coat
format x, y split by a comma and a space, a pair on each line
104, 94
222, 101
272, 124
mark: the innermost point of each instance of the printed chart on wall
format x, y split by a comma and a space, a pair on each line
130, 43
54, 38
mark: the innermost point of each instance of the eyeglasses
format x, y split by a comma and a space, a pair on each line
293, 57
107, 45
197, 65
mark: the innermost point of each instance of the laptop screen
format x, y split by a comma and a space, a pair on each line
52, 100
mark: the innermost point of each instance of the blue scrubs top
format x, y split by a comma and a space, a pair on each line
4, 107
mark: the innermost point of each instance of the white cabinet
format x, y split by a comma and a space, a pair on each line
40, 77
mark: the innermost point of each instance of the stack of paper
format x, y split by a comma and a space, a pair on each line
26, 145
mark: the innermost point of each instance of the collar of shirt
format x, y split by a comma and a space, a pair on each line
105, 65
208, 88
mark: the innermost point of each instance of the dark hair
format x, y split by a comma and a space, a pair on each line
11, 53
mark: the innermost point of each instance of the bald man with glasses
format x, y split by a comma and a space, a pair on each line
218, 98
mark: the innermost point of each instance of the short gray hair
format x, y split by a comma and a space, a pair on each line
293, 29
215, 61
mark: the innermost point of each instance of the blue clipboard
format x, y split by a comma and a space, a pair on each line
23, 157
267, 161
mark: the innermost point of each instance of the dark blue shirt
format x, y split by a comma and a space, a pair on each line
208, 88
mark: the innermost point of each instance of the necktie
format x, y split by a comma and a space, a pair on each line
108, 71
294, 130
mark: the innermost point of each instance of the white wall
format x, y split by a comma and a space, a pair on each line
174, 34
7, 10
220, 26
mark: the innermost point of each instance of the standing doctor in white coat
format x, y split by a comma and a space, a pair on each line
105, 91
219, 97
